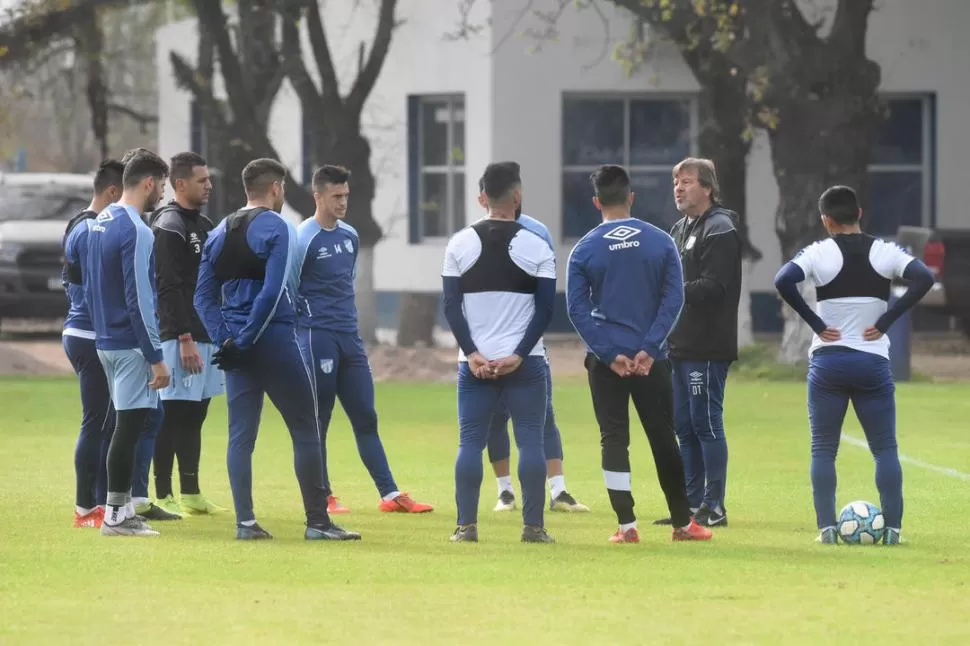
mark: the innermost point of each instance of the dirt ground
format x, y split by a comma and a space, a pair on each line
35, 349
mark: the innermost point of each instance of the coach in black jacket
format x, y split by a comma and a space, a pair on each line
180, 233
705, 340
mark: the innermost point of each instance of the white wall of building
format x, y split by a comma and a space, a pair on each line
513, 106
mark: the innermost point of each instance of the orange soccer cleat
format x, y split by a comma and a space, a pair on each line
692, 532
403, 503
334, 506
93, 518
629, 536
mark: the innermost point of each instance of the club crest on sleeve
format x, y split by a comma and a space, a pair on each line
326, 366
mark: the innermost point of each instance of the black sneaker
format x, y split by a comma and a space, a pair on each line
154, 512
465, 534
708, 517
565, 502
251, 533
330, 533
669, 521
506, 501
532, 534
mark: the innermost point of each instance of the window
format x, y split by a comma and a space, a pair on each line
436, 166
648, 136
901, 175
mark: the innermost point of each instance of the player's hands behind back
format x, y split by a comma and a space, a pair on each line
228, 356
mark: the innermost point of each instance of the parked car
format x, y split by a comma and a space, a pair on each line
34, 211
947, 254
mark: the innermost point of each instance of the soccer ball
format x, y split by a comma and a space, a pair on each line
861, 523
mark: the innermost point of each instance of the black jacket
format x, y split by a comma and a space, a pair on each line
180, 235
710, 250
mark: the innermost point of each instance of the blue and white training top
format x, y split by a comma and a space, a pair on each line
327, 268
77, 323
119, 282
625, 289
242, 308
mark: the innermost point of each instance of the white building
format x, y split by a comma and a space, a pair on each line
442, 109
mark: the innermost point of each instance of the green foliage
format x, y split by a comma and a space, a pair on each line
760, 362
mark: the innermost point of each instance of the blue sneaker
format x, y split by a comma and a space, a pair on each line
891, 537
251, 533
828, 536
330, 533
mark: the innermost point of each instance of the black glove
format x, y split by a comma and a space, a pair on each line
228, 356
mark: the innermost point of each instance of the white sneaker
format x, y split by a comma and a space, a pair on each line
506, 502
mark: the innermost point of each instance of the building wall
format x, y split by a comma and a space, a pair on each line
513, 109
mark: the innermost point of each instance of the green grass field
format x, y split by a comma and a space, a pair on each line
761, 581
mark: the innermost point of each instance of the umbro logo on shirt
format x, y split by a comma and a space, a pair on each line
323, 253
622, 235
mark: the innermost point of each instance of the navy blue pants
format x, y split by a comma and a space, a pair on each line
699, 423
97, 427
499, 446
341, 370
523, 394
274, 366
836, 376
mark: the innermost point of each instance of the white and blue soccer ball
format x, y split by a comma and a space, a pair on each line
861, 523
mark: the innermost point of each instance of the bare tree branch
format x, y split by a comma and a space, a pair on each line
140, 117
329, 86
364, 83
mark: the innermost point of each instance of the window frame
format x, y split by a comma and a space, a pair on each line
927, 167
627, 98
455, 101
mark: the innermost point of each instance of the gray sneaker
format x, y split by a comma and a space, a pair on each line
532, 534
128, 527
828, 536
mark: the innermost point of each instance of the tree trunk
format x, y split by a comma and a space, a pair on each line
366, 296
416, 319
817, 144
745, 329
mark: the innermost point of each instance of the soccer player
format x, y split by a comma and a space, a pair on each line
180, 232
329, 335
245, 298
499, 447
97, 414
705, 340
852, 273
499, 282
118, 269
624, 293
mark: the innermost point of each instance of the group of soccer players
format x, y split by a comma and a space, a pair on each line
168, 311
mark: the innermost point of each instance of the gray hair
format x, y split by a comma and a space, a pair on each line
706, 174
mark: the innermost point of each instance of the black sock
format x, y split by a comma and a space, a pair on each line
188, 444
121, 452
164, 458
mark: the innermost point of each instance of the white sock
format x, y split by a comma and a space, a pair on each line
83, 511
248, 523
557, 485
627, 526
115, 515
391, 496
130, 510
504, 484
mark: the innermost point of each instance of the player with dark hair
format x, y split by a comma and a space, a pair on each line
118, 269
181, 230
499, 446
852, 273
245, 298
327, 254
624, 293
499, 282
97, 414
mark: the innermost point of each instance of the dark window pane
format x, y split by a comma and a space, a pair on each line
653, 199
435, 117
434, 204
900, 137
457, 202
659, 132
579, 214
896, 199
592, 132
458, 133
